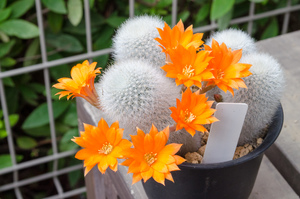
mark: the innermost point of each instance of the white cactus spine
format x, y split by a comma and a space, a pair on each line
234, 39
265, 88
135, 39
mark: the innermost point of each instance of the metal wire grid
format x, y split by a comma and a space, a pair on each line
45, 65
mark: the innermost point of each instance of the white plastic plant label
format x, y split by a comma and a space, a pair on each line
225, 133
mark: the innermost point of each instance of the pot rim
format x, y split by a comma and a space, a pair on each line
273, 132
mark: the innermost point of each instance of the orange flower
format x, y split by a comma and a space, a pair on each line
225, 67
188, 66
81, 84
102, 145
192, 112
171, 38
151, 158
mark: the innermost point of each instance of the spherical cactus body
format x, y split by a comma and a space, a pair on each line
135, 39
234, 39
265, 87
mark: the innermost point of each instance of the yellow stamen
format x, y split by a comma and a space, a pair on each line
106, 148
188, 71
188, 116
150, 158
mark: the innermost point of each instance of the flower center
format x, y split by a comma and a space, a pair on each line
188, 116
150, 158
220, 75
106, 148
188, 71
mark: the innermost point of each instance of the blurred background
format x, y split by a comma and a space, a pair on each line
40, 40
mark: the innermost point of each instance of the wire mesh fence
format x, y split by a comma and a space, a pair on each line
17, 181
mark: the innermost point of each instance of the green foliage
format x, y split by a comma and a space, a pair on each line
19, 28
6, 47
64, 42
65, 143
220, 7
32, 50
25, 142
13, 119
271, 30
19, 8
75, 11
40, 117
6, 161
55, 21
57, 6
4, 14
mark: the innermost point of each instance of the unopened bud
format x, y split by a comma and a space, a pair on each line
218, 98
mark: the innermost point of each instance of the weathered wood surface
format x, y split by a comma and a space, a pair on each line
270, 184
112, 185
285, 153
277, 178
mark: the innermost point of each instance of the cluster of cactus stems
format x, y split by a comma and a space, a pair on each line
139, 90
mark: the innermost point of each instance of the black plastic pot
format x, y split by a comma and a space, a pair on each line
232, 179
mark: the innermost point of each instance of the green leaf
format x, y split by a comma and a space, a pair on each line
13, 95
39, 116
64, 42
65, 143
8, 82
4, 37
37, 87
2, 4
224, 21
164, 3
7, 62
104, 39
75, 11
74, 177
19, 28
115, 21
32, 50
102, 61
25, 142
60, 71
1, 124
4, 14
5, 159
18, 8
220, 8
1, 113
183, 16
258, 1
55, 21
28, 94
42, 131
91, 3
6, 47
70, 118
202, 13
3, 134
271, 30
57, 6
13, 119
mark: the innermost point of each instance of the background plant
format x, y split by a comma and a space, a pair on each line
64, 28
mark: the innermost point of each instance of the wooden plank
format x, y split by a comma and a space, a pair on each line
95, 181
285, 154
270, 184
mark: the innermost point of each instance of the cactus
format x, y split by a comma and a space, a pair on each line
135, 39
234, 39
137, 94
265, 87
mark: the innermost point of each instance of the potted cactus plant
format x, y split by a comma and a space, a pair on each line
159, 97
